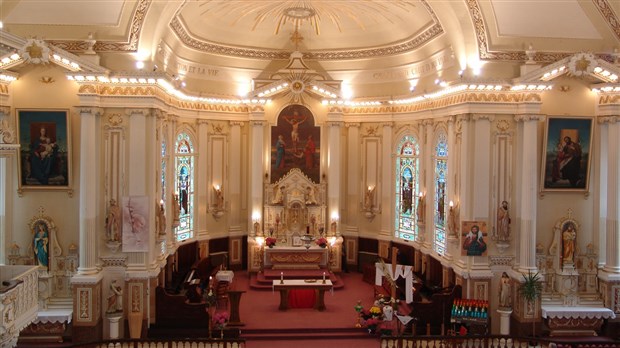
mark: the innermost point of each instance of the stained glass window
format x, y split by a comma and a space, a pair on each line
440, 209
184, 186
407, 187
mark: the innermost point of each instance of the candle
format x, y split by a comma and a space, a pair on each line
323, 276
281, 276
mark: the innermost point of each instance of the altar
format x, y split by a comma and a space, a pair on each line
565, 320
285, 257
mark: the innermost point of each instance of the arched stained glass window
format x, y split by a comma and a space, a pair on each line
407, 187
184, 186
440, 208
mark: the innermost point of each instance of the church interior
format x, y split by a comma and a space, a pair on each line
455, 158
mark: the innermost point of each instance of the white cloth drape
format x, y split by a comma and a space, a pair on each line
400, 271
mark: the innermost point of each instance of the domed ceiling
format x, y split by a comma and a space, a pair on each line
361, 42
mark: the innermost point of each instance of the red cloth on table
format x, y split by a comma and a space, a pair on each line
301, 298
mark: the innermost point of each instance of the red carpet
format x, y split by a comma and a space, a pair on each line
266, 326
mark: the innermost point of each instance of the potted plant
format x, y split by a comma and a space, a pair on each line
530, 290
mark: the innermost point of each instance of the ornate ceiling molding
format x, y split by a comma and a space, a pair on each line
430, 33
609, 15
483, 44
131, 45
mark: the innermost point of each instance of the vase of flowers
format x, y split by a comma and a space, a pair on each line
220, 319
270, 242
371, 325
375, 312
322, 242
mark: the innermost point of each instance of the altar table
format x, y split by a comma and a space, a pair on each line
285, 286
564, 320
284, 257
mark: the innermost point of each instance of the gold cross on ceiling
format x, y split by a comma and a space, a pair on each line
296, 38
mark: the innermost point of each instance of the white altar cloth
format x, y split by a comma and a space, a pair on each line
553, 312
54, 316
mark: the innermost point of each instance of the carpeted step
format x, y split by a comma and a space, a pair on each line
306, 334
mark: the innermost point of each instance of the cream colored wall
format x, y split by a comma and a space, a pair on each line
29, 93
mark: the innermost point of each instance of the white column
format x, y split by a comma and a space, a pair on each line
481, 167
387, 180
334, 164
427, 183
4, 238
353, 174
202, 184
171, 137
139, 171
612, 236
234, 178
528, 190
257, 170
89, 181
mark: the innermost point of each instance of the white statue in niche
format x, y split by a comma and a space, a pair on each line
310, 195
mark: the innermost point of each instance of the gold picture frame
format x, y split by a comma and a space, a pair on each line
44, 161
567, 154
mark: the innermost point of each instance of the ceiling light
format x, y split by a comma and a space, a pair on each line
139, 65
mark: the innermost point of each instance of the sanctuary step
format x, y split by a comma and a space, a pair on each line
264, 280
306, 334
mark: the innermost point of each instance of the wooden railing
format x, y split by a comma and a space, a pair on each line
492, 342
172, 343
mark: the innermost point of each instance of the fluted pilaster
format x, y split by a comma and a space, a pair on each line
89, 181
527, 181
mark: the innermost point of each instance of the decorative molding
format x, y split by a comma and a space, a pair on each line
502, 261
256, 123
218, 128
353, 125
607, 119
483, 44
115, 120
503, 126
130, 45
334, 123
607, 12
433, 31
84, 304
527, 118
371, 130
487, 117
7, 133
387, 124
114, 261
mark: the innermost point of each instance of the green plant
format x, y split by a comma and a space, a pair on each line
530, 290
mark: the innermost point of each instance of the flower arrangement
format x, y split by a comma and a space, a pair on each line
372, 324
322, 242
270, 241
220, 319
375, 311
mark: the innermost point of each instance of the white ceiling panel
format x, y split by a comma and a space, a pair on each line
549, 18
67, 12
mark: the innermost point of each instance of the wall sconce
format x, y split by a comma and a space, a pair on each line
161, 218
420, 209
334, 224
218, 210
256, 223
453, 220
369, 196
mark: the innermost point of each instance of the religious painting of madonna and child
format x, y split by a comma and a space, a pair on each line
474, 238
295, 143
44, 160
566, 160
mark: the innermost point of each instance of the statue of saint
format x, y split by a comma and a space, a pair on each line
503, 222
504, 291
568, 243
113, 222
115, 298
161, 219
